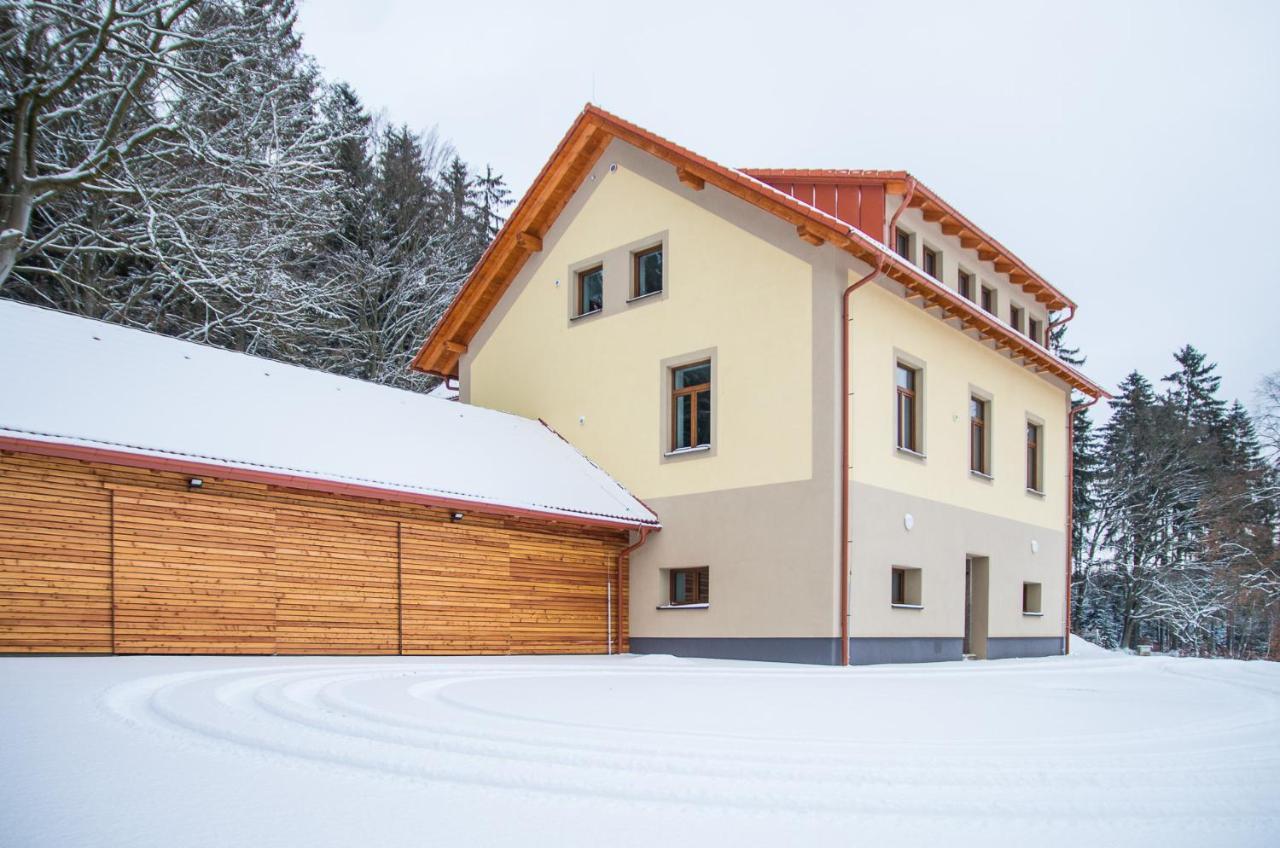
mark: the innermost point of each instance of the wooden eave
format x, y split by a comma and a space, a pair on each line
934, 210
569, 165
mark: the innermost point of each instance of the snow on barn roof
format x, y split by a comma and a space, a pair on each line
74, 381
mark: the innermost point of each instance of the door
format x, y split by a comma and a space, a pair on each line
968, 605
977, 594
194, 574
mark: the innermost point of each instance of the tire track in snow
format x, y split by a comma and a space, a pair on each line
401, 721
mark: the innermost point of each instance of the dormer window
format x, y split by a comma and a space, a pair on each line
989, 299
931, 262
902, 244
1035, 330
1016, 315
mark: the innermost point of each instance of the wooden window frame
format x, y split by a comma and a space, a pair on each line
578, 280
636, 257
899, 235
702, 584
1035, 330
911, 396
1017, 318
693, 391
988, 293
964, 284
927, 253
978, 435
1035, 473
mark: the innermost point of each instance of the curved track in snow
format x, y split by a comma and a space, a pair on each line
1043, 740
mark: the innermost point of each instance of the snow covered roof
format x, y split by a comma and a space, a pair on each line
68, 380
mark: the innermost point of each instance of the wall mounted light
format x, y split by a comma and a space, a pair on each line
195, 483
1035, 546
455, 517
908, 521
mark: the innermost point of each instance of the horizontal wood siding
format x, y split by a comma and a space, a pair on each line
193, 574
337, 578
55, 558
242, 567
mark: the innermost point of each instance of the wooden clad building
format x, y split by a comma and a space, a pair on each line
163, 497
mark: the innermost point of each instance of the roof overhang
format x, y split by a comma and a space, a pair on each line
934, 210
569, 165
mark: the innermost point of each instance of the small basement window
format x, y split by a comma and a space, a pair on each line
689, 586
1031, 599
646, 272
931, 261
905, 587
590, 294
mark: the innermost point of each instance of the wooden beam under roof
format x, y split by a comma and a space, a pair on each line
529, 240
810, 236
689, 178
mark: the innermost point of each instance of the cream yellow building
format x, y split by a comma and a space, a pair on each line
759, 353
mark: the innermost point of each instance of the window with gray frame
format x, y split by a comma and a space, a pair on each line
646, 272
908, 407
691, 406
690, 586
590, 294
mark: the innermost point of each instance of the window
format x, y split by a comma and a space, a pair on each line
908, 415
646, 272
905, 587
989, 299
1015, 317
1031, 599
978, 435
1033, 457
932, 262
590, 290
902, 244
691, 406
1034, 330
689, 586
964, 282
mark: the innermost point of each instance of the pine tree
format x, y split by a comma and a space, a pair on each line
1193, 391
492, 197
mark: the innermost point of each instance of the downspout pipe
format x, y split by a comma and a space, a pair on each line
845, 428
1071, 508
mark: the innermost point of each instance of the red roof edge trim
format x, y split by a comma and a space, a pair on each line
129, 459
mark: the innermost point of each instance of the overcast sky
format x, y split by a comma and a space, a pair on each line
1129, 152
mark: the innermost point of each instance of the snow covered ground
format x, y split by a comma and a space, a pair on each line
1096, 748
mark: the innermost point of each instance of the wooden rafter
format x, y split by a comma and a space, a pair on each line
690, 179
808, 234
529, 240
